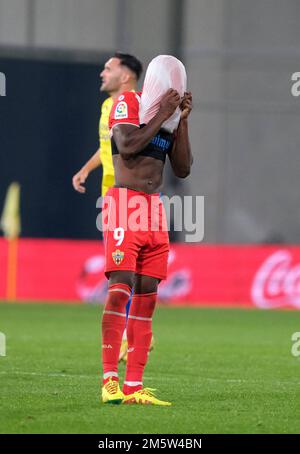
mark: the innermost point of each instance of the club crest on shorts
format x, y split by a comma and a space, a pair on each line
118, 256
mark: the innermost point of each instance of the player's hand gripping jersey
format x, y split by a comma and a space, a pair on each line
163, 72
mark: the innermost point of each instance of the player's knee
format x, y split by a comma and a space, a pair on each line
145, 284
122, 277
117, 297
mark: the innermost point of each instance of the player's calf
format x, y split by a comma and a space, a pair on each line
113, 325
139, 334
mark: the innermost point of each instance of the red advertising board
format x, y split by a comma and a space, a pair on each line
64, 270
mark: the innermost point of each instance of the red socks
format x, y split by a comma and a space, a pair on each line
139, 334
113, 325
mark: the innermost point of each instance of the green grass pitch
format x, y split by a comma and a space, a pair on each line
225, 371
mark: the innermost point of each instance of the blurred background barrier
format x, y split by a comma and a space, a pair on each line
49, 126
68, 270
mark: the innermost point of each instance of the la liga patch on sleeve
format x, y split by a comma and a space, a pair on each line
121, 110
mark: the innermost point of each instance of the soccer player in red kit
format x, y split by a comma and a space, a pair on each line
136, 258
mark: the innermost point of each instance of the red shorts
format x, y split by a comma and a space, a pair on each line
135, 233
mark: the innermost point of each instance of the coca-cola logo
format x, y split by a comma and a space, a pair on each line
277, 282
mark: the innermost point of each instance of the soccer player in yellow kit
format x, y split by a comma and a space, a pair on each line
121, 73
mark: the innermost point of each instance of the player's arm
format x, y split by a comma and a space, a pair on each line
130, 140
180, 156
80, 177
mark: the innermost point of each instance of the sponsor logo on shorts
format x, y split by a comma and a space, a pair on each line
118, 256
121, 110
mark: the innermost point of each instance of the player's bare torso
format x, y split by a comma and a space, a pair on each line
142, 173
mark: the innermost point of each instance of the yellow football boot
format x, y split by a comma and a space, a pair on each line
111, 392
144, 396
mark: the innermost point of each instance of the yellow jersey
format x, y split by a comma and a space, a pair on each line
108, 176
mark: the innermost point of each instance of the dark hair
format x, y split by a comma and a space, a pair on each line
130, 62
